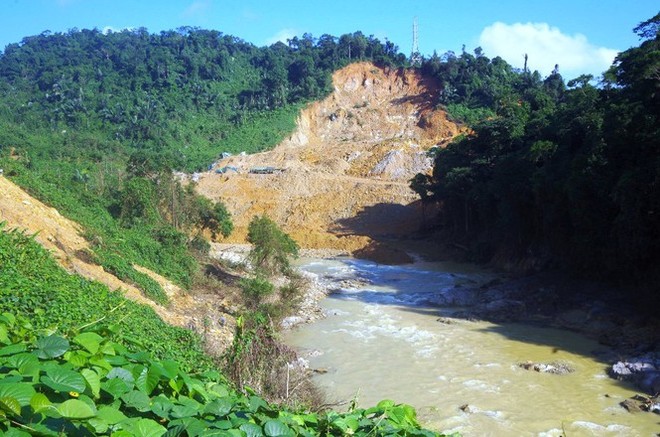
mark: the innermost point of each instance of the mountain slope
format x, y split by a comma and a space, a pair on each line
341, 179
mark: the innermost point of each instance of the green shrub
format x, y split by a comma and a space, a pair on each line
271, 247
255, 290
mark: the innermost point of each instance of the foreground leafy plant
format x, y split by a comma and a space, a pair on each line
90, 385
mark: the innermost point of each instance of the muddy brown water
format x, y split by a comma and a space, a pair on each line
382, 339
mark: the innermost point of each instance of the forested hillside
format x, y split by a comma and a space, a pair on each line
555, 174
93, 124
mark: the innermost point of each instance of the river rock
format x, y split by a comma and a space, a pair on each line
455, 297
555, 368
502, 310
643, 371
640, 403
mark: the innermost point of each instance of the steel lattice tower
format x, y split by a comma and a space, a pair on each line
415, 57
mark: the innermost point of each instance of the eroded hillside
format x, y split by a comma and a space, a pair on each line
62, 237
342, 178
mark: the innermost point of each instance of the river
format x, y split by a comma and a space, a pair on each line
383, 339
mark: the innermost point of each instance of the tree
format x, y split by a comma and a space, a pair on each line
271, 247
213, 217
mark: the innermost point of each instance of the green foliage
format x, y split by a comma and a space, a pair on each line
95, 122
470, 116
138, 203
214, 217
91, 385
255, 290
33, 286
271, 247
567, 176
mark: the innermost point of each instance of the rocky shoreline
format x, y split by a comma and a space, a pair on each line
632, 341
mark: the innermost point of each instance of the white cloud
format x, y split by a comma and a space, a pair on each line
196, 8
546, 46
283, 35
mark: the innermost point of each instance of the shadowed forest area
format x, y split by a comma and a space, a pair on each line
556, 174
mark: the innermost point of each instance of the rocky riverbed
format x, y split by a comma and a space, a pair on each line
633, 339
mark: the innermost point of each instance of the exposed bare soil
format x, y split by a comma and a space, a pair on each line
341, 179
61, 236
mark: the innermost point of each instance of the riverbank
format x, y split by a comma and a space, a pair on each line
521, 294
630, 341
387, 334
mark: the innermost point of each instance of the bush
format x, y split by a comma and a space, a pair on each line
271, 247
255, 290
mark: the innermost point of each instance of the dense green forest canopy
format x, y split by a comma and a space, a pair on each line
564, 174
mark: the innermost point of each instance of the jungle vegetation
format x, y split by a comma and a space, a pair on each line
566, 174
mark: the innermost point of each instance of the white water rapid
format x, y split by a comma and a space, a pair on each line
385, 338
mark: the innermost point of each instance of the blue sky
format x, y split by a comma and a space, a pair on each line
582, 36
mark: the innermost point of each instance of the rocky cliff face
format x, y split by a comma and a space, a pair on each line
342, 176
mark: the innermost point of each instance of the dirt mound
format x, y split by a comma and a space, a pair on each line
341, 179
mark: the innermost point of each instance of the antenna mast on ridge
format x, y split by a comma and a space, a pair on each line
415, 57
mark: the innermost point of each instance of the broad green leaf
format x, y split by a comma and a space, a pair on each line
108, 348
77, 359
89, 340
75, 409
52, 346
187, 408
116, 360
18, 360
4, 338
192, 425
340, 423
42, 430
148, 379
385, 404
161, 406
8, 319
110, 415
176, 385
220, 390
15, 432
137, 400
219, 407
13, 349
252, 430
222, 433
116, 387
100, 426
93, 381
275, 428
256, 403
63, 380
139, 357
20, 391
40, 402
148, 428
27, 364
123, 374
170, 369
10, 404
352, 423
100, 362
223, 424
